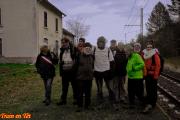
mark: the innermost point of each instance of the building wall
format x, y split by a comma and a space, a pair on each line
22, 31
18, 31
50, 32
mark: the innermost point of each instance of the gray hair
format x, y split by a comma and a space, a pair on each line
137, 44
101, 39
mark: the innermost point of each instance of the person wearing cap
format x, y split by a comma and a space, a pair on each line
151, 73
135, 67
84, 76
45, 67
103, 64
66, 66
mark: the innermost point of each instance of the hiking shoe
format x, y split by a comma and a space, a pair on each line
131, 106
79, 109
74, 102
47, 102
147, 109
61, 103
116, 107
44, 101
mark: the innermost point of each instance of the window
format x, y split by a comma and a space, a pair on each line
56, 24
45, 19
46, 41
0, 47
0, 17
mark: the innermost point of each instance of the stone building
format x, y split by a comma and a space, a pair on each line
26, 25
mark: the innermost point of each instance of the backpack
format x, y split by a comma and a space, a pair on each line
161, 62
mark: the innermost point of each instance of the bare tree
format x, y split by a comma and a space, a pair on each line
78, 27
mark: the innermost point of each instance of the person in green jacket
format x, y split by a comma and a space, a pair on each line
134, 69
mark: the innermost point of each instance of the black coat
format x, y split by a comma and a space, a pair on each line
61, 62
84, 69
120, 63
45, 69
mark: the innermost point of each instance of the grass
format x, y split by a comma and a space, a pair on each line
22, 91
173, 62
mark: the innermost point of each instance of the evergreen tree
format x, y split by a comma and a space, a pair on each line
158, 19
175, 8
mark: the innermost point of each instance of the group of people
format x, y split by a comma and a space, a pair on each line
79, 64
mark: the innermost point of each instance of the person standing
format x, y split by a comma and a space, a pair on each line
119, 73
45, 67
84, 76
135, 68
152, 72
66, 66
103, 64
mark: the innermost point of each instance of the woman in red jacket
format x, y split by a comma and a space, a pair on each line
152, 71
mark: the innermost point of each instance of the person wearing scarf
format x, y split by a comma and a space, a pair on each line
151, 73
84, 76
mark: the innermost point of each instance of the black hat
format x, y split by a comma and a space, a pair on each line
87, 44
113, 41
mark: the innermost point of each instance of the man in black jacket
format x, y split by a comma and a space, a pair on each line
119, 73
66, 65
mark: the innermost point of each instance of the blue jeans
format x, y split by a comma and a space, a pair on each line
47, 85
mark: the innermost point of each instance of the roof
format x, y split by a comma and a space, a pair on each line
67, 32
46, 3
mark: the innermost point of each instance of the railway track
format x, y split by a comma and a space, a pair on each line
169, 95
170, 86
170, 77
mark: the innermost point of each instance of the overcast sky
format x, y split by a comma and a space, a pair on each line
107, 17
